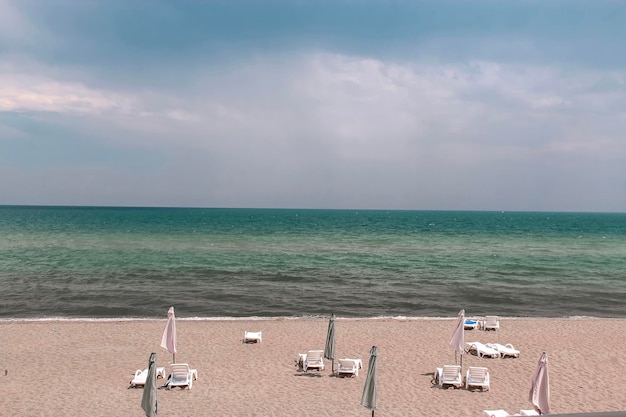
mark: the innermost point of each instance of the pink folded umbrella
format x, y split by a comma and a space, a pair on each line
168, 341
457, 342
539, 393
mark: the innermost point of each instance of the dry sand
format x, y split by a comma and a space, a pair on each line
82, 368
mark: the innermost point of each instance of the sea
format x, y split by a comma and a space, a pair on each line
129, 263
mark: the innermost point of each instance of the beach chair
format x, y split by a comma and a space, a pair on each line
495, 413
528, 413
470, 324
142, 375
477, 377
314, 359
140, 378
491, 323
252, 337
449, 375
505, 350
481, 350
182, 376
348, 367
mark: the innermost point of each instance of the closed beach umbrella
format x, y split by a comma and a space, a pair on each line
149, 397
168, 341
368, 399
458, 337
539, 393
329, 350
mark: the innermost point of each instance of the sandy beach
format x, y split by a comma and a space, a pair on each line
79, 368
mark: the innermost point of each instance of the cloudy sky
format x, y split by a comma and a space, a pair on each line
453, 105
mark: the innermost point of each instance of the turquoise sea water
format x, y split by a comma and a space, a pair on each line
136, 262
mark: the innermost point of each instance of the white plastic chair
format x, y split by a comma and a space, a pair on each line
449, 375
182, 376
314, 359
477, 377
491, 323
348, 367
252, 337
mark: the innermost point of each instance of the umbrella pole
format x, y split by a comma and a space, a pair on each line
173, 358
332, 366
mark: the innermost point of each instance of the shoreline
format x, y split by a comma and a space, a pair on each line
83, 367
279, 318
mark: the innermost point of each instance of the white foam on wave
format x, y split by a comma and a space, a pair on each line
275, 318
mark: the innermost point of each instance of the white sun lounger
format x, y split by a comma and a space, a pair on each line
252, 337
142, 375
349, 367
491, 323
449, 375
140, 378
477, 377
313, 359
505, 350
482, 350
182, 376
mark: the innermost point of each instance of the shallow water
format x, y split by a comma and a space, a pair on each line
136, 262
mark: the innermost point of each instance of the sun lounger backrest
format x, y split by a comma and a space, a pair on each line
180, 371
491, 322
347, 363
314, 355
314, 359
348, 366
451, 372
477, 377
478, 374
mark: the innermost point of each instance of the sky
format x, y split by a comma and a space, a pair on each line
421, 105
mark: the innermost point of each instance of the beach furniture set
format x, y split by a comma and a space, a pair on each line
181, 376
475, 377
488, 323
488, 350
314, 359
492, 350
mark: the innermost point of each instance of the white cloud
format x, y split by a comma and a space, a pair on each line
26, 93
335, 130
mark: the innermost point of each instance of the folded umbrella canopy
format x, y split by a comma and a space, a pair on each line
539, 393
458, 337
368, 399
149, 397
168, 341
329, 350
